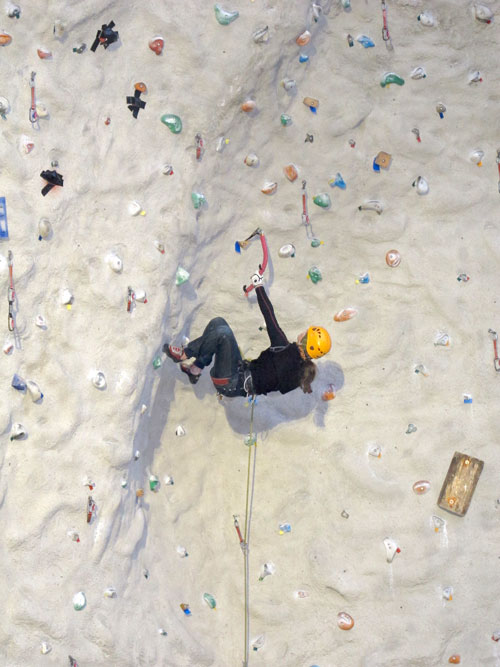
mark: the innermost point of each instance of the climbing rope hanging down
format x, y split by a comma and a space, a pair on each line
251, 441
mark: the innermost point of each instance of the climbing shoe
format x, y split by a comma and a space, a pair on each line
175, 353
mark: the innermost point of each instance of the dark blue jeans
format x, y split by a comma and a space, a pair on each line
219, 340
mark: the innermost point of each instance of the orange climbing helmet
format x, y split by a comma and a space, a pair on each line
318, 342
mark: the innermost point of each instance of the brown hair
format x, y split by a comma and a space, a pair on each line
307, 375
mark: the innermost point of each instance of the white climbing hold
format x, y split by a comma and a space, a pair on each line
34, 390
114, 262
99, 380
134, 208
79, 601
391, 549
421, 185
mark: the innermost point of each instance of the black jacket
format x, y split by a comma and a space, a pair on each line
278, 368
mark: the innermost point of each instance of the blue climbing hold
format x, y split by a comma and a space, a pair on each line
365, 41
338, 182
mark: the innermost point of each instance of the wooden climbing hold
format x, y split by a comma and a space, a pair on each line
460, 484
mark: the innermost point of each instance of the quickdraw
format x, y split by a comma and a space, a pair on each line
498, 164
33, 113
305, 215
91, 508
199, 146
496, 359
11, 294
243, 244
385, 30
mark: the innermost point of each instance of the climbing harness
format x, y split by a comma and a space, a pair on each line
496, 359
11, 295
244, 538
385, 30
262, 267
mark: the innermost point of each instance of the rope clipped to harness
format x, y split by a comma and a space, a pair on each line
251, 442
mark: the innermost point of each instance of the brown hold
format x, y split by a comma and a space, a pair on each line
304, 38
249, 105
460, 484
269, 188
44, 54
140, 86
329, 393
311, 102
291, 172
157, 45
139, 493
383, 160
392, 258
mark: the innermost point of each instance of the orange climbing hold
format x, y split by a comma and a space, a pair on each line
140, 86
345, 621
393, 258
291, 172
249, 105
5, 38
329, 393
269, 188
44, 54
304, 38
454, 659
345, 314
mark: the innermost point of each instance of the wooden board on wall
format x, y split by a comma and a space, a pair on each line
460, 483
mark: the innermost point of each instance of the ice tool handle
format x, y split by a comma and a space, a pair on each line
262, 267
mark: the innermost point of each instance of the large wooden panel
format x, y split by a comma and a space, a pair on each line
460, 483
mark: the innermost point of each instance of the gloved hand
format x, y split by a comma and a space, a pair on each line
257, 280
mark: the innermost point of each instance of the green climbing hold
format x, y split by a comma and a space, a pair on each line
315, 243
391, 77
173, 122
315, 274
322, 200
181, 276
285, 119
225, 17
210, 600
198, 199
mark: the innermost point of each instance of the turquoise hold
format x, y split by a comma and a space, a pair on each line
173, 122
322, 200
225, 17
198, 199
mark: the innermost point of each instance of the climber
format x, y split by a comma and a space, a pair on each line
282, 367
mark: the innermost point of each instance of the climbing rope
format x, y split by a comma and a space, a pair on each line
245, 538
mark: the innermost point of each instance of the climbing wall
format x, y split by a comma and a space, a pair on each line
362, 139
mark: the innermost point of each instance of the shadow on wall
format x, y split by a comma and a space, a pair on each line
275, 408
